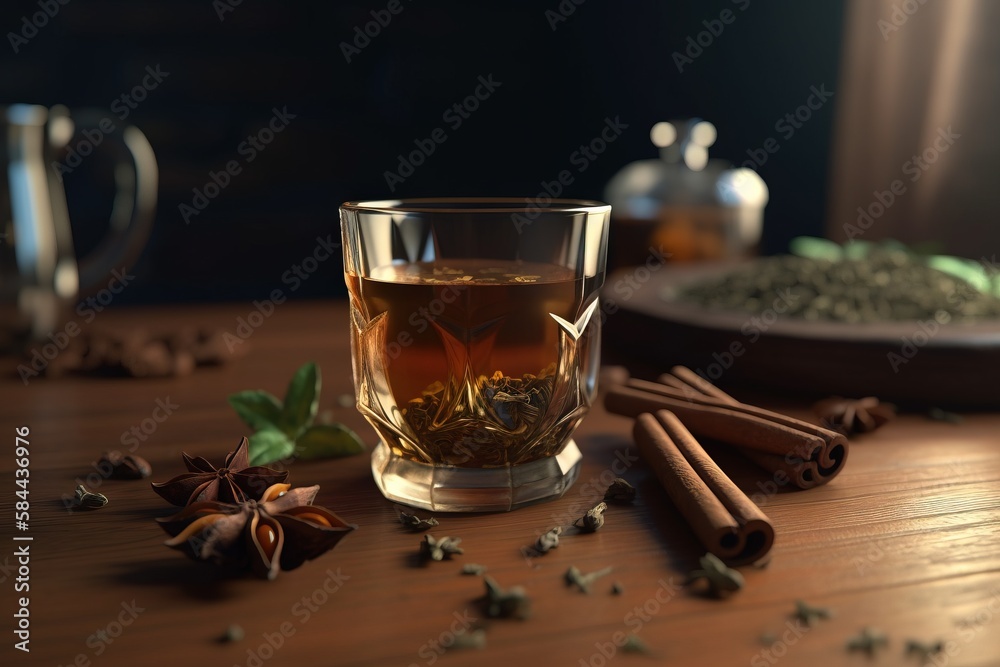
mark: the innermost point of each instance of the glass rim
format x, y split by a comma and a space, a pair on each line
479, 204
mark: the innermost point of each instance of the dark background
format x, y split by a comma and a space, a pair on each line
607, 59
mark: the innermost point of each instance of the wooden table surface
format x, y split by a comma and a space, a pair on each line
906, 539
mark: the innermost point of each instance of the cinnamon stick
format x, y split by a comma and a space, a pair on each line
831, 438
807, 454
725, 520
688, 377
717, 422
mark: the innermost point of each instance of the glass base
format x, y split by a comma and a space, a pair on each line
454, 489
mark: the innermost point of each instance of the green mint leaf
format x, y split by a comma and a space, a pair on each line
963, 269
268, 446
301, 400
859, 249
258, 409
324, 441
815, 248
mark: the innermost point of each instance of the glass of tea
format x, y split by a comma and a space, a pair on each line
475, 344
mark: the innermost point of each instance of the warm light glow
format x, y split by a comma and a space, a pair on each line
663, 134
695, 157
704, 134
741, 187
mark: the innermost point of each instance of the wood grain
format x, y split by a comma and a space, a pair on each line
907, 539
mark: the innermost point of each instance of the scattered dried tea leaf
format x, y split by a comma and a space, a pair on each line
473, 569
635, 645
721, 579
549, 540
767, 639
617, 588
808, 614
593, 519
924, 651
415, 524
234, 633
869, 640
439, 549
469, 639
620, 491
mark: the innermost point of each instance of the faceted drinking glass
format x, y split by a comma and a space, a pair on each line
475, 344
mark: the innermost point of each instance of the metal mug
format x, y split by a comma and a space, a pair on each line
40, 275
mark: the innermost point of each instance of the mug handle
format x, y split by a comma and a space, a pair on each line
136, 180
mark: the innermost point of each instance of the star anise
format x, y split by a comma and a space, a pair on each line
280, 532
235, 482
851, 416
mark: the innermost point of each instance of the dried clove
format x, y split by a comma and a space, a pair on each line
721, 579
593, 519
415, 524
574, 577
88, 500
435, 549
124, 466
549, 540
500, 603
808, 613
620, 491
924, 651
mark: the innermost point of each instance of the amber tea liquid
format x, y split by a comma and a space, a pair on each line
473, 363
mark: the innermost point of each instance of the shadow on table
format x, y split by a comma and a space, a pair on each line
199, 581
680, 547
